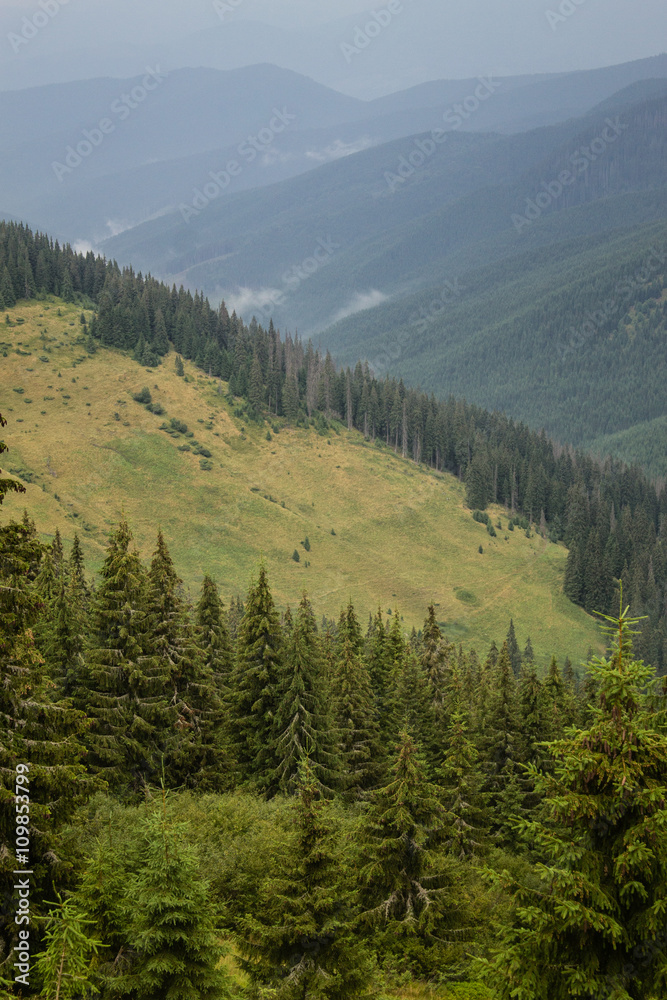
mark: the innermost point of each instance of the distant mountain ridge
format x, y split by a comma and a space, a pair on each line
193, 123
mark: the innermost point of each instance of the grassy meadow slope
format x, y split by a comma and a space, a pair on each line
403, 537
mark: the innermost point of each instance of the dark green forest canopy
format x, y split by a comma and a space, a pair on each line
612, 518
340, 804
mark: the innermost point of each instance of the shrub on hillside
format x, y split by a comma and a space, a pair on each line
143, 397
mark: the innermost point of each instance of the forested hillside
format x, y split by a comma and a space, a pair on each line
611, 517
554, 335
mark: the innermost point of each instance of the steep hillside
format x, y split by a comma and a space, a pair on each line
554, 336
381, 530
645, 442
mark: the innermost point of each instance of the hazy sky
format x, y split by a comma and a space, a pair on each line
423, 39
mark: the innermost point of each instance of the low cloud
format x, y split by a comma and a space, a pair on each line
359, 302
245, 301
338, 149
83, 246
118, 226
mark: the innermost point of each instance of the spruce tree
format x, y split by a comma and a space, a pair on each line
191, 729
41, 739
291, 400
47, 578
214, 639
100, 897
299, 940
302, 725
65, 967
411, 707
573, 585
254, 690
534, 713
378, 657
528, 655
124, 744
256, 391
76, 568
7, 289
355, 724
58, 554
63, 640
436, 661
402, 889
171, 924
560, 701
501, 742
461, 780
595, 928
479, 482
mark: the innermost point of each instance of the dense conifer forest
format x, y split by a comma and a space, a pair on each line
339, 806
227, 801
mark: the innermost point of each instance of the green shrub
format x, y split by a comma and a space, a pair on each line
179, 426
143, 397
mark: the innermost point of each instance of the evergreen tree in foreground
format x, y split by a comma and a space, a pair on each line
302, 723
352, 696
404, 883
65, 965
300, 940
254, 694
214, 639
597, 927
41, 742
174, 951
461, 779
124, 743
191, 725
